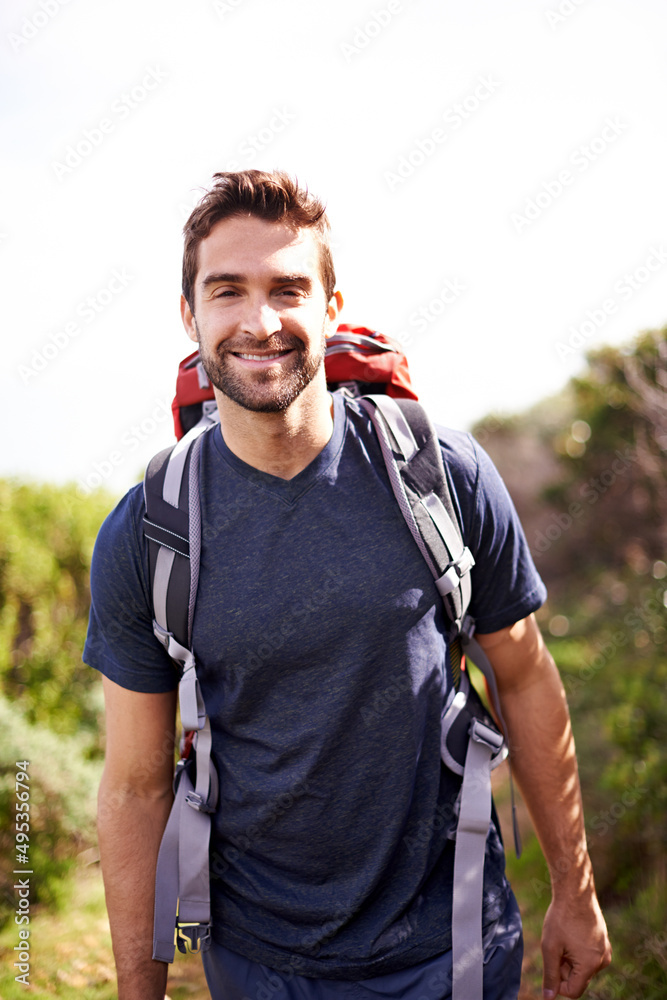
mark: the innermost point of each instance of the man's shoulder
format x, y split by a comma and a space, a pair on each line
460, 452
123, 523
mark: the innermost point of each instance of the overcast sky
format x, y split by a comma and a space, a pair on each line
494, 174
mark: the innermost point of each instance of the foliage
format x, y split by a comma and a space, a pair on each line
62, 794
599, 539
46, 540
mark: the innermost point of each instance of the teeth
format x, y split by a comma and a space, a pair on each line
260, 357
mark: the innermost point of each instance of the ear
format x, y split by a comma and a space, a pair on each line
333, 311
188, 320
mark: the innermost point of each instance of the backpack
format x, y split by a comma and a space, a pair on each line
471, 743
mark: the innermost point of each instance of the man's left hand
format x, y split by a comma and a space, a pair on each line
575, 945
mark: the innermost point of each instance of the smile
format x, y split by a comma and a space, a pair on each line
262, 357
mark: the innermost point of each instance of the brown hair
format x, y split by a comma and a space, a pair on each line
274, 197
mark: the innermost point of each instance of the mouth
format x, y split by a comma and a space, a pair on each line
261, 359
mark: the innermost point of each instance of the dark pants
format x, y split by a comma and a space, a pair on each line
232, 977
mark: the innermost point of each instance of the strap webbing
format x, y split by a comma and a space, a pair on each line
471, 833
450, 562
396, 481
182, 884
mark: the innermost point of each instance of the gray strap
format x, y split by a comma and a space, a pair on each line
202, 377
194, 901
166, 884
163, 565
397, 482
399, 427
173, 477
341, 342
194, 507
182, 884
182, 888
449, 532
473, 649
471, 833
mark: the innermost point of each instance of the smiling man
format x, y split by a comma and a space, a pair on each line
334, 839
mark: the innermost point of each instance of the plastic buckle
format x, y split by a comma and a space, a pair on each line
465, 562
451, 578
193, 938
198, 803
485, 735
448, 582
162, 636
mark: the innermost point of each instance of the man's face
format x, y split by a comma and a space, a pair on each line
260, 312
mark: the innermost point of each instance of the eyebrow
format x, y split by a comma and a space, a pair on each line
223, 278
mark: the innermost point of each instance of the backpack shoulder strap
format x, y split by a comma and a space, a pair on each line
172, 528
170, 484
413, 458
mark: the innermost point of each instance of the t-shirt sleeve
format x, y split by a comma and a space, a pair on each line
120, 641
506, 586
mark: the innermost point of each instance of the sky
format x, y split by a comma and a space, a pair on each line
494, 174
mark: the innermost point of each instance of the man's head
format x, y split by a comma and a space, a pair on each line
273, 197
258, 290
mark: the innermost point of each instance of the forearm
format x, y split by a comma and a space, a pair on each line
130, 829
545, 766
575, 945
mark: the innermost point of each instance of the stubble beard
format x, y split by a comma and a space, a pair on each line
263, 391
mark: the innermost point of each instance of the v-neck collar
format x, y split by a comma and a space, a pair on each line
290, 490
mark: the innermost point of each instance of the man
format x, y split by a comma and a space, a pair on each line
333, 843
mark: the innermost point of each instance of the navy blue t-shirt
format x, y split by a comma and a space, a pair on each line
322, 656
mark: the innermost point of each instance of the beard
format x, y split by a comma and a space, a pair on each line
269, 391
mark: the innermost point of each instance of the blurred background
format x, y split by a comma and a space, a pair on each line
494, 176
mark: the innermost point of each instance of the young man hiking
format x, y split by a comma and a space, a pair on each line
333, 845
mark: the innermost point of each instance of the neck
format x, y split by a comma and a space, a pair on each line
281, 444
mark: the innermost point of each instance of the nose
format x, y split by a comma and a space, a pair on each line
261, 320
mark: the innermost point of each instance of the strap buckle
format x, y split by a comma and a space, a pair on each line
451, 578
193, 938
488, 737
199, 803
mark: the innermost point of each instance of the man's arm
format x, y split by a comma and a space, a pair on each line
575, 945
133, 807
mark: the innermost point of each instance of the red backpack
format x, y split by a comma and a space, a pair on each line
357, 359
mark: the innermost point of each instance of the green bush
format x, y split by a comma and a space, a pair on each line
62, 790
47, 535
